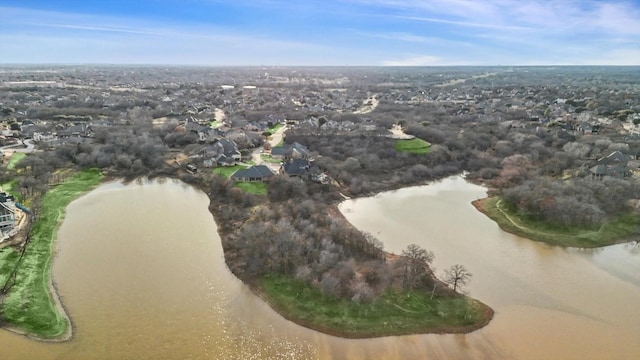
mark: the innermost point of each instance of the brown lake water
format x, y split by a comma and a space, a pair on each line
141, 271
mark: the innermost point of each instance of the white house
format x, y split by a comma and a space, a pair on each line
7, 215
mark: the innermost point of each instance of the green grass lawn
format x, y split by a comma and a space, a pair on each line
29, 305
413, 146
269, 159
15, 159
227, 171
394, 313
611, 232
257, 188
213, 124
8, 258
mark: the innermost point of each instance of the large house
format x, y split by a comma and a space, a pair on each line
254, 173
295, 167
223, 153
293, 151
77, 130
205, 132
613, 165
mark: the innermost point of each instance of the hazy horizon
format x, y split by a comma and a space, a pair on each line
499, 66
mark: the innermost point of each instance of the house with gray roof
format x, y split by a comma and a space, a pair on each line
254, 173
295, 167
293, 151
615, 158
614, 165
224, 153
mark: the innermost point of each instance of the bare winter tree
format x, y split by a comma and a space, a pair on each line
457, 275
414, 264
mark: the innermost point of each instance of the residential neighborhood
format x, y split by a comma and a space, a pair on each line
224, 124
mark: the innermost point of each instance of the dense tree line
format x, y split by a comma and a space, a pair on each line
367, 164
122, 151
126, 151
581, 202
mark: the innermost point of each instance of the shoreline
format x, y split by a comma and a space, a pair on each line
55, 302
510, 226
487, 313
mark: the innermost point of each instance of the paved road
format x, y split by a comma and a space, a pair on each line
30, 147
275, 139
277, 136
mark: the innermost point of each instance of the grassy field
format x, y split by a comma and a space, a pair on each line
612, 232
258, 188
29, 305
213, 124
395, 313
413, 146
15, 159
8, 258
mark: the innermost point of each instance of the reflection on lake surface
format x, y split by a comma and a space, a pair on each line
141, 271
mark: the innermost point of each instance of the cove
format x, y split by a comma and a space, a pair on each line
549, 302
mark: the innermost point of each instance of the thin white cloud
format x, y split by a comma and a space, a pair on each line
434, 42
98, 28
400, 36
452, 7
71, 37
577, 16
422, 60
465, 23
87, 25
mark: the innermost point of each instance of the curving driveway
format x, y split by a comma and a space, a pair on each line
30, 147
275, 139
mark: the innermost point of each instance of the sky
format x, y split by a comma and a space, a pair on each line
321, 32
